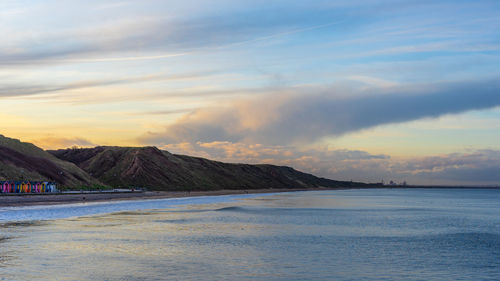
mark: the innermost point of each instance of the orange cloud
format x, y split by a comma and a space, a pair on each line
61, 142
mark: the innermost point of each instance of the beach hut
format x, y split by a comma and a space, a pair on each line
52, 187
27, 187
6, 187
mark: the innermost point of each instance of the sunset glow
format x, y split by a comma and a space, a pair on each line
349, 90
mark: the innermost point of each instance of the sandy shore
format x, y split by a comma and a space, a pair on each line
53, 199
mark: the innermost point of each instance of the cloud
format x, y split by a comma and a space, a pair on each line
313, 160
163, 112
21, 89
147, 37
307, 115
477, 167
61, 142
466, 168
124, 31
320, 161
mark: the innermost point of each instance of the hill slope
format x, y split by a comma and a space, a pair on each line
156, 169
24, 161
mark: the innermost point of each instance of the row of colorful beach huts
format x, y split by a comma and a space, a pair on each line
27, 187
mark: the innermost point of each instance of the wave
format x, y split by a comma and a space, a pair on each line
231, 209
33, 213
21, 224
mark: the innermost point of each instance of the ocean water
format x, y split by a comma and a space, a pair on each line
382, 234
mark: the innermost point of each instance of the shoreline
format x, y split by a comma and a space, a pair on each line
58, 199
16, 200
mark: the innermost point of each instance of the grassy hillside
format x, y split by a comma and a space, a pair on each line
25, 161
155, 169
146, 167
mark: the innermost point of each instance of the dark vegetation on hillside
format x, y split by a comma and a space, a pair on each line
24, 161
144, 167
152, 168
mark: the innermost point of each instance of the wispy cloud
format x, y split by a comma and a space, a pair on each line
28, 90
149, 38
164, 112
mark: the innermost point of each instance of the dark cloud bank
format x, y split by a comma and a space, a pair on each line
293, 118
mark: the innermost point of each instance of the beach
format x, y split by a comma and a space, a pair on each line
18, 200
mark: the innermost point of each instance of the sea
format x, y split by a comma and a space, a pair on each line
357, 234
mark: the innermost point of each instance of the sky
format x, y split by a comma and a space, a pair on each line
349, 90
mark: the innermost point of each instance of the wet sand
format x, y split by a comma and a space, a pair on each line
15, 200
